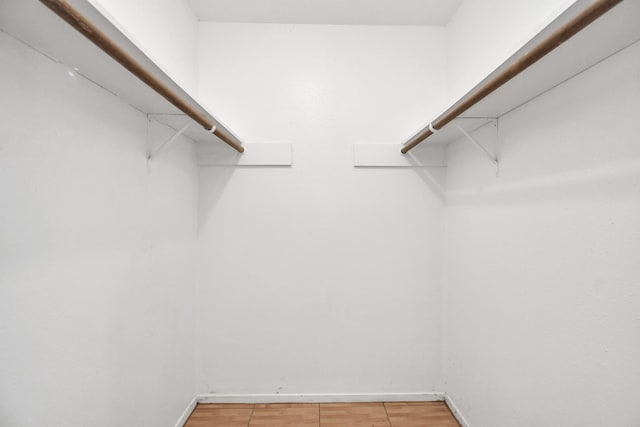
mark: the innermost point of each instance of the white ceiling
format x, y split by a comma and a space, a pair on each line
337, 12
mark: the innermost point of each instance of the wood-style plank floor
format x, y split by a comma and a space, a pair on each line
396, 414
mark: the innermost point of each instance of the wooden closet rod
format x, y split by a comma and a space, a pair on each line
589, 14
78, 21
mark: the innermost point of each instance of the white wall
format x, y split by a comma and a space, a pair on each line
320, 277
96, 277
541, 263
166, 30
482, 34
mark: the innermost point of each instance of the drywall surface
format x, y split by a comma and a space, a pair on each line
483, 34
541, 270
96, 249
166, 30
332, 12
320, 277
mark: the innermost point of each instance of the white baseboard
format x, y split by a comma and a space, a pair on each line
456, 411
187, 412
321, 397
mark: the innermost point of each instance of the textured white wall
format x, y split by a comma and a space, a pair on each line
166, 30
96, 254
319, 277
541, 263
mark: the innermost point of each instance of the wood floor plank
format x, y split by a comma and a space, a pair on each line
286, 405
435, 403
219, 417
353, 415
426, 414
205, 406
286, 414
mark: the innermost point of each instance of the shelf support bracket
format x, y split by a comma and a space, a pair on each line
491, 156
154, 153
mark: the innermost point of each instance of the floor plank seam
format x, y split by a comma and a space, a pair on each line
253, 409
384, 405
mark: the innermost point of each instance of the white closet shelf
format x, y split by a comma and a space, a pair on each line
615, 30
36, 25
612, 32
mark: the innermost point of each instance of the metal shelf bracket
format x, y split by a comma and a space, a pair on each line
490, 155
153, 153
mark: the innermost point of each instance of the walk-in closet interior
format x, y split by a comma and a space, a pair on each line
319, 213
